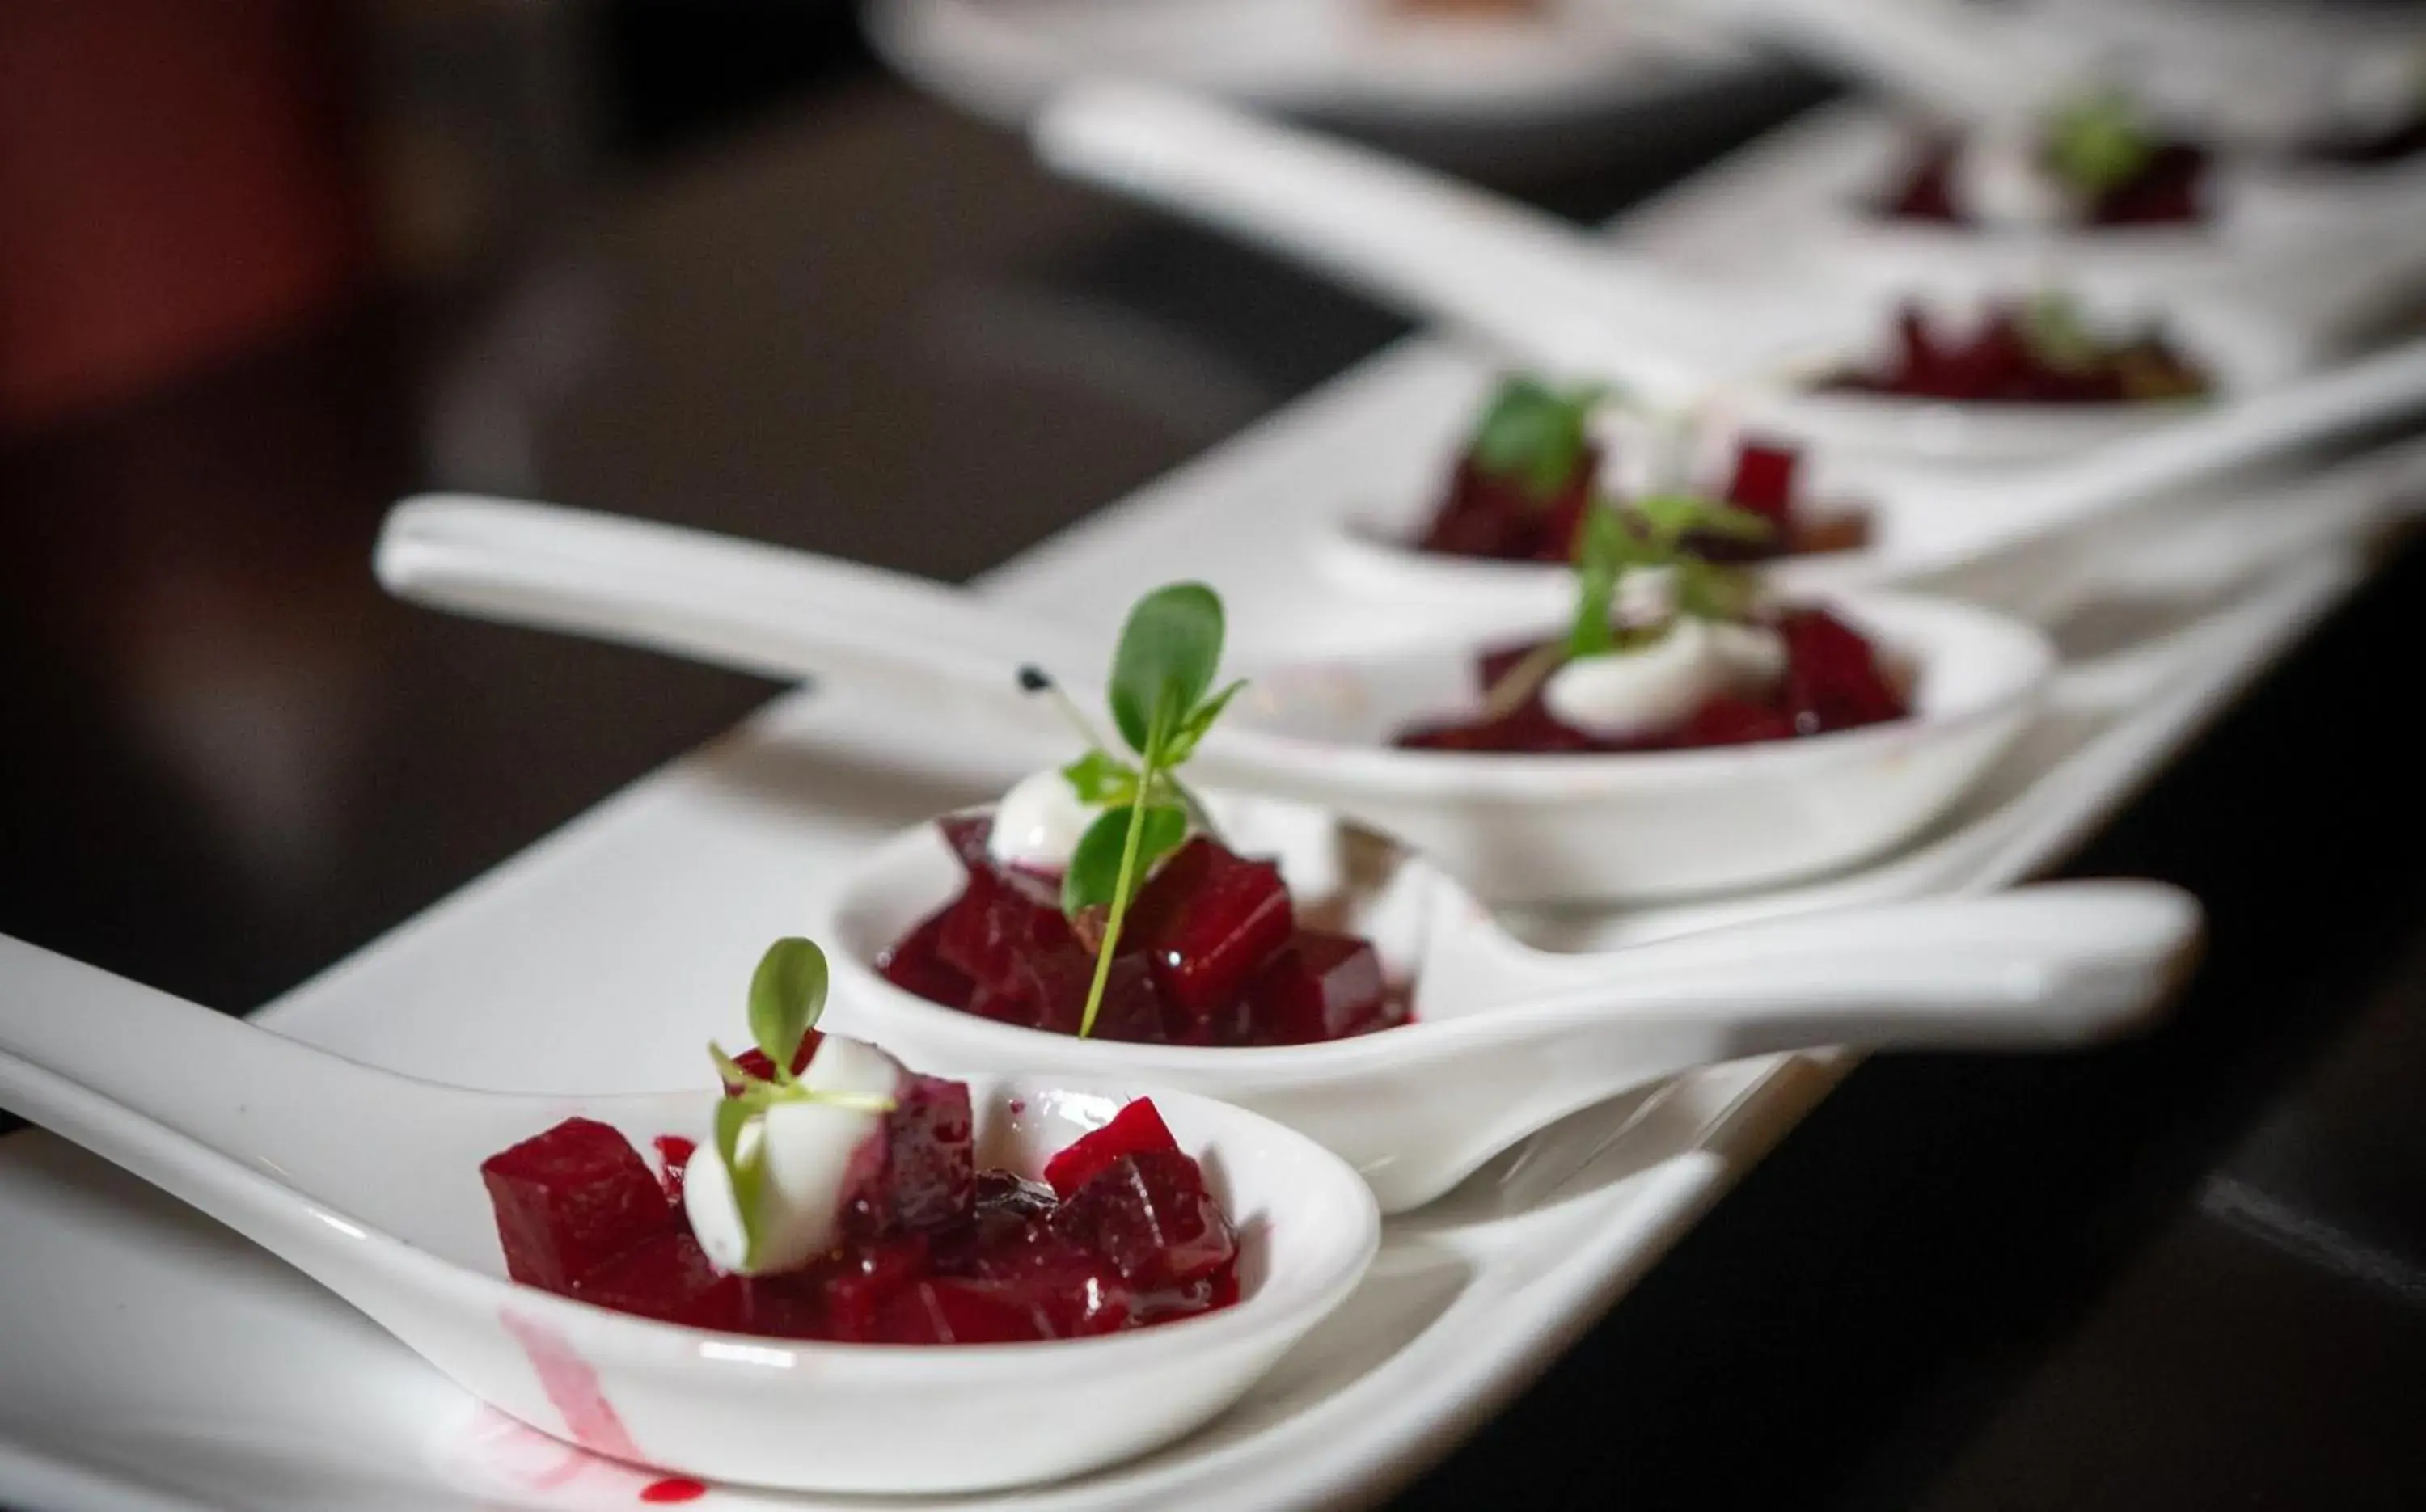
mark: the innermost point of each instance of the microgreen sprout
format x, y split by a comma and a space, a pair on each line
1534, 435
787, 993
1162, 703
2098, 142
1658, 532
2059, 333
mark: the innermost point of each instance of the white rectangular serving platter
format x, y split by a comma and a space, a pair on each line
151, 1360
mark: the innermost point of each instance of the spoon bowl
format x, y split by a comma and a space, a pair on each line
1506, 1039
1518, 829
1638, 825
1927, 521
1536, 288
369, 1182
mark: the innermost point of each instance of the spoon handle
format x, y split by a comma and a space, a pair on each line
2374, 391
1418, 240
172, 1091
2056, 963
754, 607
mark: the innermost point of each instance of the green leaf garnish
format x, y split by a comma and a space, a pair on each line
1603, 550
1101, 778
1534, 434
748, 1177
1168, 654
2098, 142
2059, 334
787, 993
1161, 704
1096, 866
1669, 520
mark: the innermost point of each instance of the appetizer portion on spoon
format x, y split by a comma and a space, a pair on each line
842, 1200
2038, 351
1669, 651
2092, 162
1099, 899
1532, 468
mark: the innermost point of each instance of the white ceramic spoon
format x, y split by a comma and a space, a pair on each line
1538, 289
1508, 1038
1515, 828
2264, 81
368, 1183
1921, 525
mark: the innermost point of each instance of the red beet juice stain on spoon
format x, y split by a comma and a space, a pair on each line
671, 1489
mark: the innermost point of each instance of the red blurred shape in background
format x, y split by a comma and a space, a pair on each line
178, 179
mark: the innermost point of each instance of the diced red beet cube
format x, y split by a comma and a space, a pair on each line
930, 1173
757, 1063
1325, 986
1764, 480
858, 1289
1058, 981
1729, 720
1149, 1215
1491, 516
1136, 1128
1833, 677
953, 1311
666, 1277
1208, 920
1000, 924
1072, 1290
915, 966
570, 1199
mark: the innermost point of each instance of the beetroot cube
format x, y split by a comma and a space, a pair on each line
857, 1291
570, 1199
1729, 720
1324, 987
1137, 1127
667, 1278
1833, 677
1073, 1290
931, 1172
956, 1311
1208, 920
917, 966
1058, 982
1764, 480
1149, 1215
999, 927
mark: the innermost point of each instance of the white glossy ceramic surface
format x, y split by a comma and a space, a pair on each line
2319, 254
1506, 1039
259, 1390
1341, 57
1643, 826
1538, 290
369, 1182
1920, 528
1530, 829
157, 1361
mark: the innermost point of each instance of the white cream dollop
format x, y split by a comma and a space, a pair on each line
807, 1150
2001, 180
1642, 692
1038, 823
